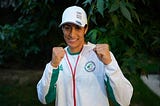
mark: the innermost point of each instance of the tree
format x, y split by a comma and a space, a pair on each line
132, 36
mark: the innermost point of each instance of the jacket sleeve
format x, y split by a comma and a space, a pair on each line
46, 87
119, 87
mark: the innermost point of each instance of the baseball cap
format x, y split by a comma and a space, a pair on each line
75, 15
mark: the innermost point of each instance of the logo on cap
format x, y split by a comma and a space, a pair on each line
79, 15
78, 22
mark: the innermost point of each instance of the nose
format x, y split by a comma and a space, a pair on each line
72, 32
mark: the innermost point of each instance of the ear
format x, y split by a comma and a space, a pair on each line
86, 29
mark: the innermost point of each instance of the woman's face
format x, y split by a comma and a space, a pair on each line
74, 36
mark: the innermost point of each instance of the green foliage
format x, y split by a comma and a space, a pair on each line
129, 41
30, 34
97, 35
132, 32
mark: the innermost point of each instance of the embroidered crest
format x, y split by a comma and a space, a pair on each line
90, 66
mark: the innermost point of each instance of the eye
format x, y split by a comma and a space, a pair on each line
77, 27
67, 27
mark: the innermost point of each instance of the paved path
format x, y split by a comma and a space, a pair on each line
153, 82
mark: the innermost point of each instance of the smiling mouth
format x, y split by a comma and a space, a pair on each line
72, 40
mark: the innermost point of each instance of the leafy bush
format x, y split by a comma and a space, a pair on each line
132, 32
136, 45
27, 40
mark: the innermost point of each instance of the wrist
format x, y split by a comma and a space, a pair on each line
53, 65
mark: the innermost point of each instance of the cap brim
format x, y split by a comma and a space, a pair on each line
71, 23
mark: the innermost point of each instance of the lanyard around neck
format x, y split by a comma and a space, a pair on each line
73, 76
70, 66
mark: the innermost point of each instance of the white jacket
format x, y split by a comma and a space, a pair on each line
90, 84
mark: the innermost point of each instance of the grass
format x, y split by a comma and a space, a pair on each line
11, 95
17, 92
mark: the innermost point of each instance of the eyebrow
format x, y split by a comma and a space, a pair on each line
74, 25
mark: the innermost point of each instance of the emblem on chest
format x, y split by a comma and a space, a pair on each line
90, 66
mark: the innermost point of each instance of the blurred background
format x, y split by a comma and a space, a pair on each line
29, 29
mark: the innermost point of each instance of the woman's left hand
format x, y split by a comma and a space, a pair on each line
103, 53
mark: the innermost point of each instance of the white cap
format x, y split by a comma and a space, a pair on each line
75, 15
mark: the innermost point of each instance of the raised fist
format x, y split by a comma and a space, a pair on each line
103, 53
57, 55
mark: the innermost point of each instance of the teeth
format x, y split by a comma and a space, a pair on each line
72, 39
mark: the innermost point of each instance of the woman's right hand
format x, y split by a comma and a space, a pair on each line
57, 55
